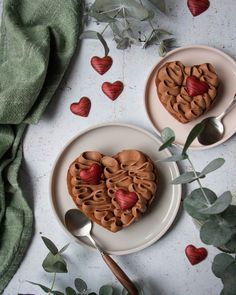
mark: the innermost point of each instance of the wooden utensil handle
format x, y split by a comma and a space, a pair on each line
120, 275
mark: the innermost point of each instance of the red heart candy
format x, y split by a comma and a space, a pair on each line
126, 200
197, 7
195, 86
81, 108
195, 255
112, 90
101, 64
91, 175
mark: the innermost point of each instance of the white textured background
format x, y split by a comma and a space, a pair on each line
162, 268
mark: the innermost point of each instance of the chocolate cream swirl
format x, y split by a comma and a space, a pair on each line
130, 170
172, 92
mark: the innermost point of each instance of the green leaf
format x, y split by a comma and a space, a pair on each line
229, 215
57, 293
54, 263
63, 249
129, 8
221, 261
101, 17
214, 233
80, 285
220, 205
44, 288
95, 35
213, 165
106, 290
70, 291
140, 291
197, 129
167, 137
162, 49
231, 245
186, 177
123, 43
196, 201
50, 245
174, 158
160, 4
168, 143
229, 279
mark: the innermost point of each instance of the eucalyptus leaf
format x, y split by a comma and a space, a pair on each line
174, 158
50, 245
57, 293
221, 261
123, 43
231, 245
101, 17
95, 35
229, 279
63, 249
129, 8
197, 201
219, 205
44, 288
213, 165
186, 177
162, 49
140, 291
197, 129
168, 143
54, 264
229, 215
106, 290
70, 291
214, 233
167, 134
116, 30
80, 285
160, 4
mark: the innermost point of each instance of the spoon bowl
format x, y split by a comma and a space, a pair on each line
80, 226
214, 129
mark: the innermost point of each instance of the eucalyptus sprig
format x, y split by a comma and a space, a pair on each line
126, 20
215, 214
55, 263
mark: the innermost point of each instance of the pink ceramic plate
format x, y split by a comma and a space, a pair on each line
192, 55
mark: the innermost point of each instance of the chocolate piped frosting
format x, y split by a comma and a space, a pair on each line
129, 170
172, 92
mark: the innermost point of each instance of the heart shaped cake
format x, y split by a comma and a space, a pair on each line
187, 92
112, 191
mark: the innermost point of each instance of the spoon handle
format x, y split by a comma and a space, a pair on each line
228, 109
120, 275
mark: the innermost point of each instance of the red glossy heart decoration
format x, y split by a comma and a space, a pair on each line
195, 255
91, 175
195, 86
112, 90
81, 108
101, 64
126, 200
197, 7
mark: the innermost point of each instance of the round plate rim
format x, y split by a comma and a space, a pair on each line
225, 55
178, 188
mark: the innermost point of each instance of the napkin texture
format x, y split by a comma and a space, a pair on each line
37, 41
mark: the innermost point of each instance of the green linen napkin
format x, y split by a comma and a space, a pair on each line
38, 39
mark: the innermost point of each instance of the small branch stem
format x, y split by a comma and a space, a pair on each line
53, 282
199, 182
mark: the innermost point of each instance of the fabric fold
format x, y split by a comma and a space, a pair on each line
37, 42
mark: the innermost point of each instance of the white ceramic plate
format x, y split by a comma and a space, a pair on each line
110, 139
192, 55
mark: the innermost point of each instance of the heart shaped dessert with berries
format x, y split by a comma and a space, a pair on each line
112, 191
187, 92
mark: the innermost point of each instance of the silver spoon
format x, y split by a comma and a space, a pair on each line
213, 128
80, 226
